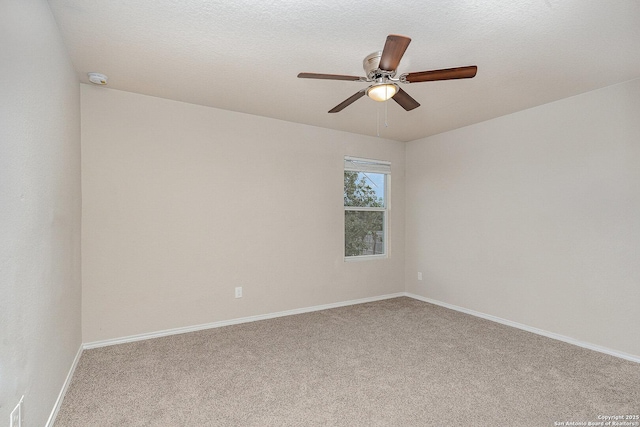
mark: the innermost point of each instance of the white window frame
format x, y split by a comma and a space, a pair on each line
357, 164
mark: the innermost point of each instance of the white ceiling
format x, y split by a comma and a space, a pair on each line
244, 55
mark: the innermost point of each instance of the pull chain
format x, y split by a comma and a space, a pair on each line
386, 123
386, 115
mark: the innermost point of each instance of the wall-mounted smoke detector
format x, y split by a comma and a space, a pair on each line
97, 79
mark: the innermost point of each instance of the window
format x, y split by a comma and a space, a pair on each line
366, 195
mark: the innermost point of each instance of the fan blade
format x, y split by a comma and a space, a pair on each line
405, 100
329, 77
353, 98
393, 50
445, 74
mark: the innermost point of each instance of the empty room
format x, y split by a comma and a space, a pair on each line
336, 213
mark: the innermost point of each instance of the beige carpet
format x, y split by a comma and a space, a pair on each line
398, 362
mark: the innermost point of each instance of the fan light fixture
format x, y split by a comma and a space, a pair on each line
382, 92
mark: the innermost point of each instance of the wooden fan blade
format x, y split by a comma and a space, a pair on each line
405, 100
393, 50
445, 74
353, 98
329, 77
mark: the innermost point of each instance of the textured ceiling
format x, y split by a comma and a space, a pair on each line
245, 55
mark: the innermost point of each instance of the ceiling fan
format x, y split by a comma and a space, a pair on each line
380, 68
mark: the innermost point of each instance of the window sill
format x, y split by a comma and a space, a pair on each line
364, 258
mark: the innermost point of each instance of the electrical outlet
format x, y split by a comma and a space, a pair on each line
239, 292
419, 275
16, 415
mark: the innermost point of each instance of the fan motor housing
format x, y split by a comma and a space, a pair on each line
371, 65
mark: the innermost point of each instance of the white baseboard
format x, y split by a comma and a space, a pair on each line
527, 328
167, 332
63, 391
175, 331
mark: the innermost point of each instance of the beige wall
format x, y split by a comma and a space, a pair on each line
535, 217
39, 211
182, 203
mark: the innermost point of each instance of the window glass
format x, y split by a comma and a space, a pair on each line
364, 233
364, 189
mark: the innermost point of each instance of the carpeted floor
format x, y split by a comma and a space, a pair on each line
397, 362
